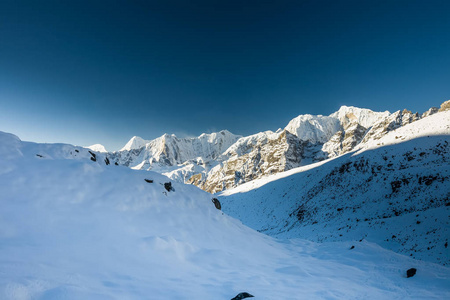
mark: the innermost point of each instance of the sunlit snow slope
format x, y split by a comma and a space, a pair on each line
394, 191
73, 227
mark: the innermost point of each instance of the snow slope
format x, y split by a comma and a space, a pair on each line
75, 228
394, 191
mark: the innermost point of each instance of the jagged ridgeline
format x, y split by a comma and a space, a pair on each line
222, 160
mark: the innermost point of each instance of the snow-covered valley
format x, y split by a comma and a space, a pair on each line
394, 191
74, 227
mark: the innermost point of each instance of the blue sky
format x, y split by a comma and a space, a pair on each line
86, 72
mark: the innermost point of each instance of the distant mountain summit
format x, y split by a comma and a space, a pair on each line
168, 152
223, 160
134, 143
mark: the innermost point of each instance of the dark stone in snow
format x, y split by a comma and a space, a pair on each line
216, 203
116, 163
106, 161
411, 272
242, 296
352, 247
148, 180
168, 186
94, 157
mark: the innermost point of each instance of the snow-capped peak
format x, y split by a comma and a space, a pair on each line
319, 129
134, 143
315, 129
98, 148
363, 116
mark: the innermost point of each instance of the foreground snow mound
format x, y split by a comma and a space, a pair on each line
75, 228
394, 192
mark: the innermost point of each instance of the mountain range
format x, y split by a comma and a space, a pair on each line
222, 160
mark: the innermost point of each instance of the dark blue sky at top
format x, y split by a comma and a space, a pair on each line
86, 72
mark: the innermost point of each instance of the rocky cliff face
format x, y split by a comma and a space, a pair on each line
251, 158
222, 160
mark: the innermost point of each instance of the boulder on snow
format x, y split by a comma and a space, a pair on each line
242, 296
168, 186
216, 203
411, 272
148, 180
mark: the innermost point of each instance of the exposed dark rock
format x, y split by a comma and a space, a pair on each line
148, 180
216, 203
93, 156
106, 161
352, 247
116, 163
411, 272
168, 186
77, 151
242, 296
38, 155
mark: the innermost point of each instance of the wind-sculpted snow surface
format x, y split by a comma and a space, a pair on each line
394, 191
72, 227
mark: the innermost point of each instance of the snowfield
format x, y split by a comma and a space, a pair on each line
74, 227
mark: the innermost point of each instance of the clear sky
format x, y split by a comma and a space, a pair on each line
85, 72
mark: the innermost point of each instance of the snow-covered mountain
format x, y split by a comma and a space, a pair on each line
134, 143
308, 139
250, 158
168, 150
220, 161
393, 189
73, 226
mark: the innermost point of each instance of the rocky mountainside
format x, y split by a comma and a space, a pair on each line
394, 191
250, 158
220, 161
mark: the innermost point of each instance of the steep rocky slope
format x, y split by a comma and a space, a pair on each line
394, 191
251, 158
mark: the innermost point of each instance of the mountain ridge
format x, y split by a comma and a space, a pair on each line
314, 138
393, 191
